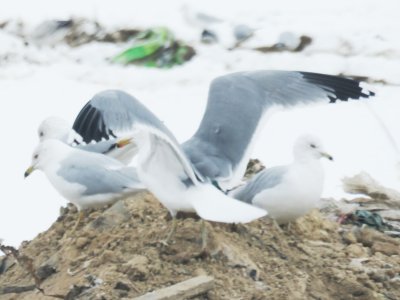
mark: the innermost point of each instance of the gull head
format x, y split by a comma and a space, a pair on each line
54, 128
309, 147
47, 153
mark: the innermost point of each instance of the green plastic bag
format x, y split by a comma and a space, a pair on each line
156, 47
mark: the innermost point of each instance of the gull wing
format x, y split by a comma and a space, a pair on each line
238, 104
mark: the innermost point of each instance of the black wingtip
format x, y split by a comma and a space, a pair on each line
339, 88
89, 124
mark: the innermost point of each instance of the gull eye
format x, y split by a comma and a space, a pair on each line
36, 156
313, 146
41, 134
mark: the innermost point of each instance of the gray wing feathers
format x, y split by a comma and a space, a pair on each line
230, 120
112, 112
121, 110
266, 179
238, 101
96, 179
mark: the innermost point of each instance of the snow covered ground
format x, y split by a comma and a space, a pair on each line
350, 37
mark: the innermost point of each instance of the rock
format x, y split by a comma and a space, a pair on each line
138, 260
355, 250
386, 248
45, 271
254, 261
349, 237
368, 237
122, 286
378, 276
136, 268
6, 263
115, 215
81, 242
239, 259
75, 291
199, 272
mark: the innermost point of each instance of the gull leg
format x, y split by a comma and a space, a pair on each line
171, 232
203, 236
81, 215
276, 225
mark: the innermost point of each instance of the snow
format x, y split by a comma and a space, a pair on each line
350, 37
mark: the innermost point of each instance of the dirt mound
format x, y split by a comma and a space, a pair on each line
115, 254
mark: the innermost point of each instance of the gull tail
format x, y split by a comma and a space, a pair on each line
212, 205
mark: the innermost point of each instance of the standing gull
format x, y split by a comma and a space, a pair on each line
116, 147
288, 192
57, 128
238, 105
84, 178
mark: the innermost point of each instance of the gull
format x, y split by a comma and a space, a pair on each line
238, 106
166, 171
86, 179
57, 128
54, 128
119, 148
290, 191
162, 166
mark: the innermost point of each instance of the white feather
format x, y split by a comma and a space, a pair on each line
161, 167
212, 205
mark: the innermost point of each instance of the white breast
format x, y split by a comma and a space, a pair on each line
298, 193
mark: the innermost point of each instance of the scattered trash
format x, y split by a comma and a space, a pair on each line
74, 32
379, 195
209, 37
242, 32
380, 208
288, 41
14, 26
156, 47
50, 32
365, 217
253, 167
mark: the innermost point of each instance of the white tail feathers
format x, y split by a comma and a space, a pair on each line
212, 205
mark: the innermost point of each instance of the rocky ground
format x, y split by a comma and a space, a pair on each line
115, 254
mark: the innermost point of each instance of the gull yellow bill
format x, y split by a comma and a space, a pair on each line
29, 171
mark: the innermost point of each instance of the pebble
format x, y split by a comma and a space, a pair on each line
45, 271
81, 242
349, 237
386, 248
355, 250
